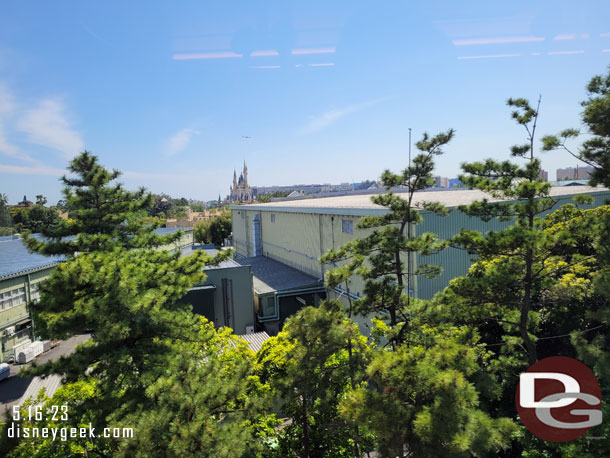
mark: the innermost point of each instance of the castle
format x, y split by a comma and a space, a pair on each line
241, 191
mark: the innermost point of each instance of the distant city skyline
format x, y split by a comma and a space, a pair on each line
177, 95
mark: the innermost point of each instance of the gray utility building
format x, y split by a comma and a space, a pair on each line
226, 295
295, 234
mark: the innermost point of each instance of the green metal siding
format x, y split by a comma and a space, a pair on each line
456, 262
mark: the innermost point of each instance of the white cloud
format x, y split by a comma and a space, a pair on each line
7, 106
180, 141
34, 170
6, 100
47, 125
326, 119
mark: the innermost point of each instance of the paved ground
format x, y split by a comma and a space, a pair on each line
13, 388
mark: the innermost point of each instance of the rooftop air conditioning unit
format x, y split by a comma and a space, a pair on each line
9, 331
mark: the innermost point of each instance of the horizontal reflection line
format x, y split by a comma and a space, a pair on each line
560, 53
498, 40
489, 56
209, 55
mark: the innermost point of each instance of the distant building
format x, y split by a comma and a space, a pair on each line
455, 183
574, 173
241, 191
441, 182
25, 203
543, 175
191, 219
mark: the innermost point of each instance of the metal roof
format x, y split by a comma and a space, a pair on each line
15, 259
361, 204
255, 340
270, 275
50, 384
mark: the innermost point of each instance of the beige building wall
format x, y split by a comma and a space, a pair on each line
27, 285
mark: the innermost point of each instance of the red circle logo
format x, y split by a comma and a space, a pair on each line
559, 399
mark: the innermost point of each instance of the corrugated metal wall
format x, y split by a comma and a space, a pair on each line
456, 262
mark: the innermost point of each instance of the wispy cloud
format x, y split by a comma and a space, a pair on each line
326, 64
565, 36
7, 103
180, 141
90, 31
7, 107
328, 118
47, 125
206, 55
34, 170
496, 40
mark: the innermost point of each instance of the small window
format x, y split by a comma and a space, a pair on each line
347, 226
273, 217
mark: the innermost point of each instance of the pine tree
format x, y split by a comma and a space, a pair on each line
594, 151
523, 197
385, 259
309, 367
119, 287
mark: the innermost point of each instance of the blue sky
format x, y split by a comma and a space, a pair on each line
326, 91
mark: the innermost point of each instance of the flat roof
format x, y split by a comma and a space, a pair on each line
269, 275
190, 249
361, 204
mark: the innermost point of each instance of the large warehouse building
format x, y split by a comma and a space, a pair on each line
295, 234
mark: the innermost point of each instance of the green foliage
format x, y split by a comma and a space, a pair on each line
385, 257
311, 365
101, 214
144, 343
7, 231
264, 198
204, 403
5, 217
215, 230
420, 399
523, 196
72, 395
595, 151
34, 219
